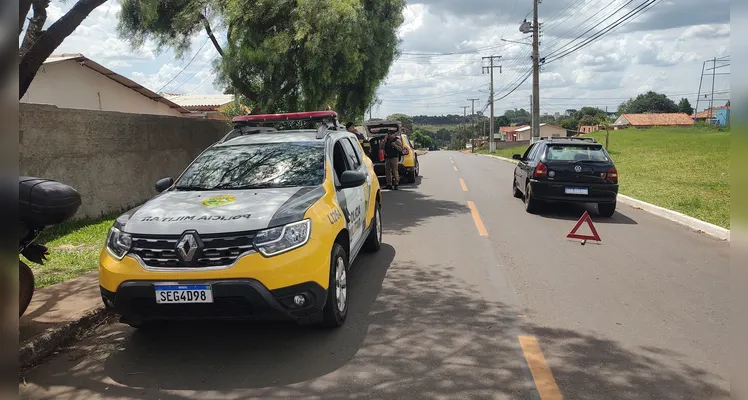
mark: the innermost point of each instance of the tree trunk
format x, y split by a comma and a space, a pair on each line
36, 23
24, 6
49, 40
212, 37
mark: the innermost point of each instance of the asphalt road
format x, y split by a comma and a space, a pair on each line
470, 297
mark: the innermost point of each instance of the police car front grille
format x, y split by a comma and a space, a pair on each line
159, 251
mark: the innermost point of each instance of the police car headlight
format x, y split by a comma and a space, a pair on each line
118, 243
281, 239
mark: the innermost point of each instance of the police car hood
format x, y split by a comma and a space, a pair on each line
207, 212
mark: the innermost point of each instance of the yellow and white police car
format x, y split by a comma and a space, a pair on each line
264, 224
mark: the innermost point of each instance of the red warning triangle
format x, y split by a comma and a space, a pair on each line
574, 235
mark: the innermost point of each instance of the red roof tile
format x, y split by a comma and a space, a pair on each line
658, 119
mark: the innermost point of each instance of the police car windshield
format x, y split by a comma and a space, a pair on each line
271, 165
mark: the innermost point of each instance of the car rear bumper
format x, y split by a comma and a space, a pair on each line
555, 191
243, 299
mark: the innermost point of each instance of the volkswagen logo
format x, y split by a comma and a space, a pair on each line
188, 246
578, 168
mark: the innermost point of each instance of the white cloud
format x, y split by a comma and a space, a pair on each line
666, 59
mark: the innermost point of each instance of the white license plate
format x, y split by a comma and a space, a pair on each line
180, 294
576, 190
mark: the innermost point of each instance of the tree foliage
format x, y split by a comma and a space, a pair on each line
518, 117
684, 106
406, 120
281, 55
650, 102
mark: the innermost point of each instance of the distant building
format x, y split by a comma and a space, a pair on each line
546, 130
208, 106
75, 81
589, 128
714, 116
507, 133
642, 121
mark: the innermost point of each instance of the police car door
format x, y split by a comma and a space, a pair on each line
354, 198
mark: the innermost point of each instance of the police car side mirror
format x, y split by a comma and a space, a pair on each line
351, 179
164, 184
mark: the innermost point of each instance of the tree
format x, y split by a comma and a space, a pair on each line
570, 123
684, 106
503, 121
406, 120
518, 117
38, 43
281, 55
649, 102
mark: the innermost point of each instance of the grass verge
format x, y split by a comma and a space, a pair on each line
682, 169
74, 249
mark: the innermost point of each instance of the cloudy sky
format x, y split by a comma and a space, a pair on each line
443, 41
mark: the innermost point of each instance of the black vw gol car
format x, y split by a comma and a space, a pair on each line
566, 170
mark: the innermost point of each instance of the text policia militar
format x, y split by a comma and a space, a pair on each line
195, 218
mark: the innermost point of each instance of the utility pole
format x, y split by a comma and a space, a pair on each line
472, 115
714, 74
464, 125
490, 68
535, 74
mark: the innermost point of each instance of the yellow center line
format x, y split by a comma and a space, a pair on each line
476, 218
455, 168
541, 373
464, 187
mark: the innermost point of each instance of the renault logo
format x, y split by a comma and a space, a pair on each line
187, 246
578, 168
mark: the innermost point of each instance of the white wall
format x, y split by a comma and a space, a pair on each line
68, 84
545, 131
550, 130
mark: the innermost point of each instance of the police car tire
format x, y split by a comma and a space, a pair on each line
373, 241
331, 316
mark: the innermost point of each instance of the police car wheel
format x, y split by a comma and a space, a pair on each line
336, 306
374, 240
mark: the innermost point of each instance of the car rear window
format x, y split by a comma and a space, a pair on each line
574, 152
382, 129
271, 165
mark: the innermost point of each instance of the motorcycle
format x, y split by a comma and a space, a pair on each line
42, 203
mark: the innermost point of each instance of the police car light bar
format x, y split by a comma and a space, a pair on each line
298, 116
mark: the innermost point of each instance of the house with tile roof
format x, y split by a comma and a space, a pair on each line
75, 81
714, 116
643, 121
208, 106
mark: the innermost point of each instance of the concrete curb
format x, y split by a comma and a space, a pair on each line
682, 219
40, 346
679, 218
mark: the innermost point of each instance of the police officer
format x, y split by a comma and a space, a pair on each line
393, 149
351, 127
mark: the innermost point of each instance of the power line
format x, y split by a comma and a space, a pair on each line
590, 29
647, 5
201, 83
196, 72
436, 74
185, 67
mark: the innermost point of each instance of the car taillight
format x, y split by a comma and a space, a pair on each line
540, 170
381, 155
613, 175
